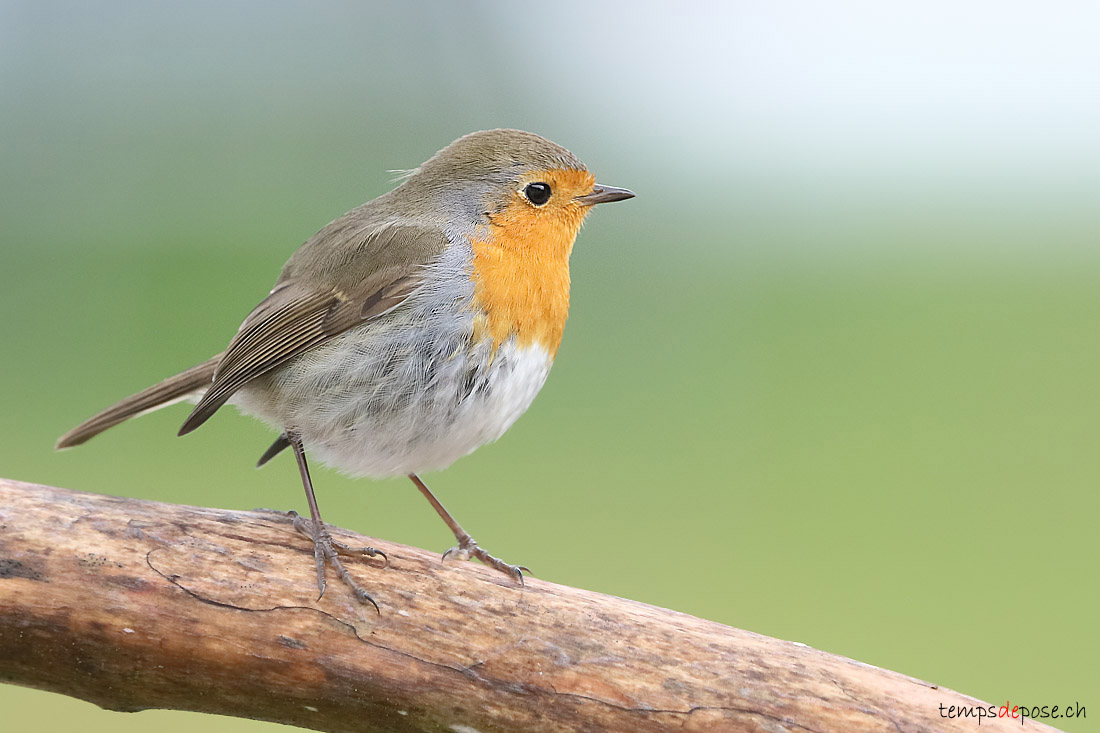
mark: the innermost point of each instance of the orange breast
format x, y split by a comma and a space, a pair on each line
521, 269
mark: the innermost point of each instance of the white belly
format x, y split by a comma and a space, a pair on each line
393, 399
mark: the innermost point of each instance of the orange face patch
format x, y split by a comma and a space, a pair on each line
521, 270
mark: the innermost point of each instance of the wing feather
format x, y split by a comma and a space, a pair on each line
299, 314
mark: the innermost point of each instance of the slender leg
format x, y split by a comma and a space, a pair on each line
324, 547
466, 547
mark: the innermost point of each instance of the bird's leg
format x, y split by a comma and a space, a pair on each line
324, 547
466, 547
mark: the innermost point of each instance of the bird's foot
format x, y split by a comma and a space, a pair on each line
326, 550
467, 548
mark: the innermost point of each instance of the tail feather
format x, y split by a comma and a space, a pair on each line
281, 443
170, 391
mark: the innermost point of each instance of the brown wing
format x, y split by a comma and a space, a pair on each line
294, 318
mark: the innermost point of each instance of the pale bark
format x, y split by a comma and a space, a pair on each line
135, 604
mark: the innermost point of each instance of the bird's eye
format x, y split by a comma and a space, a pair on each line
537, 193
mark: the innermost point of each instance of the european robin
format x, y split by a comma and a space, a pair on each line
407, 332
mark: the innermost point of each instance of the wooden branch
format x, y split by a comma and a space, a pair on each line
136, 604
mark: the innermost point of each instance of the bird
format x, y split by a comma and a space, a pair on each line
406, 333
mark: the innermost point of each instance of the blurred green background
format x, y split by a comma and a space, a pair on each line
831, 377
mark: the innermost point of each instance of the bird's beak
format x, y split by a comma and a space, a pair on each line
604, 195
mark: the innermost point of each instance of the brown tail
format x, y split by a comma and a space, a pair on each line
168, 392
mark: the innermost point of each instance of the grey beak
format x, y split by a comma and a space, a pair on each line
605, 194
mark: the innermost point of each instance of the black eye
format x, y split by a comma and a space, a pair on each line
537, 193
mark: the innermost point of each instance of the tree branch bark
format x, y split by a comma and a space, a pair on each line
135, 604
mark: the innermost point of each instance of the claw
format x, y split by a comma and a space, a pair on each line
385, 557
325, 552
368, 551
365, 598
458, 552
468, 548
